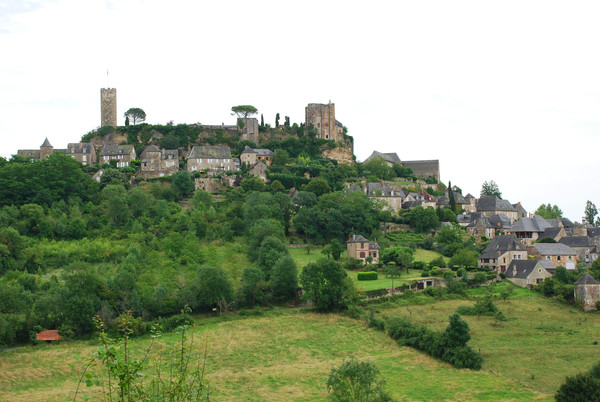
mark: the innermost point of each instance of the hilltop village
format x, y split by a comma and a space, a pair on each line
258, 229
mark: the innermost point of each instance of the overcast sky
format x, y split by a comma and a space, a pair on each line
506, 91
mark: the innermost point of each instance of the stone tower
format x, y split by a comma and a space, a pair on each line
108, 107
46, 149
322, 117
587, 291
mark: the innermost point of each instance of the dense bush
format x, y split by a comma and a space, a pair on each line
449, 345
367, 276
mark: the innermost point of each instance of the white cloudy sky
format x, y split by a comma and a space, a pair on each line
508, 91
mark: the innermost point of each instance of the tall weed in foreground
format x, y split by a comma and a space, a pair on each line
176, 376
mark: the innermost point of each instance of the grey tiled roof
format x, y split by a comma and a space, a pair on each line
586, 279
550, 232
207, 152
535, 224
357, 239
593, 232
493, 203
501, 244
554, 249
80, 148
378, 189
46, 143
500, 221
523, 268
373, 245
116, 149
391, 157
577, 241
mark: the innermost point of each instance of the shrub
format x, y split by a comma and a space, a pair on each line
367, 276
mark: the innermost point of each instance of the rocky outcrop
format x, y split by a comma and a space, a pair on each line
341, 154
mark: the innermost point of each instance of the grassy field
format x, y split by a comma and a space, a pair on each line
427, 255
383, 282
276, 357
540, 343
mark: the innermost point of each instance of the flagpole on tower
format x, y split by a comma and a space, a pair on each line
107, 80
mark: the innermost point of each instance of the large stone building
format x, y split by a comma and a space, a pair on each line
83, 152
123, 154
422, 168
359, 247
212, 159
501, 251
526, 273
322, 117
158, 162
250, 156
108, 107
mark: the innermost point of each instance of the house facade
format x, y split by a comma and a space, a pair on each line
501, 251
557, 253
123, 154
361, 248
83, 152
526, 273
250, 156
157, 162
489, 205
213, 159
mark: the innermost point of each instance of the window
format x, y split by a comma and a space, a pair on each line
362, 254
106, 157
558, 258
548, 258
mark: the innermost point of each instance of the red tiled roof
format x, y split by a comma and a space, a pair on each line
50, 335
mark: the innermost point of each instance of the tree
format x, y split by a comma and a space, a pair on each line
183, 183
135, 115
277, 120
318, 186
262, 120
356, 381
244, 111
281, 157
490, 188
549, 211
423, 219
323, 283
451, 198
253, 184
392, 271
284, 278
378, 167
590, 212
581, 387
252, 286
211, 286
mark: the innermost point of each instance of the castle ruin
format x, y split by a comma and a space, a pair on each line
322, 117
108, 107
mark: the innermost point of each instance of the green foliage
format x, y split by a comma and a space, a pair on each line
211, 286
244, 111
581, 387
549, 211
318, 186
378, 167
183, 183
590, 212
490, 188
483, 306
423, 219
281, 157
252, 289
284, 278
367, 276
449, 345
135, 115
356, 381
323, 283
253, 184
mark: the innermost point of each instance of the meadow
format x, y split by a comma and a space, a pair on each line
287, 354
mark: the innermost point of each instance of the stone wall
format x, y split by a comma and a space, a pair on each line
341, 154
589, 294
322, 117
424, 168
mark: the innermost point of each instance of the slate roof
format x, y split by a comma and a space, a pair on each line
469, 196
577, 241
151, 148
80, 148
551, 232
353, 188
357, 239
46, 143
411, 204
523, 268
554, 249
373, 245
499, 221
493, 203
586, 279
593, 232
390, 157
501, 244
379, 189
459, 199
567, 222
173, 153
443, 200
535, 224
208, 152
116, 150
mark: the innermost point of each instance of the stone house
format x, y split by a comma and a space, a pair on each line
361, 248
529, 229
501, 251
481, 227
259, 169
587, 290
213, 159
250, 156
492, 205
557, 253
250, 129
83, 152
584, 246
157, 162
470, 205
526, 273
123, 154
390, 158
521, 212
391, 196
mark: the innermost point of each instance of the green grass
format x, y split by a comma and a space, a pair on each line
427, 255
302, 259
383, 282
541, 342
284, 356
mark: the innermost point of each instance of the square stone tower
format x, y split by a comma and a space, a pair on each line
322, 117
108, 107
